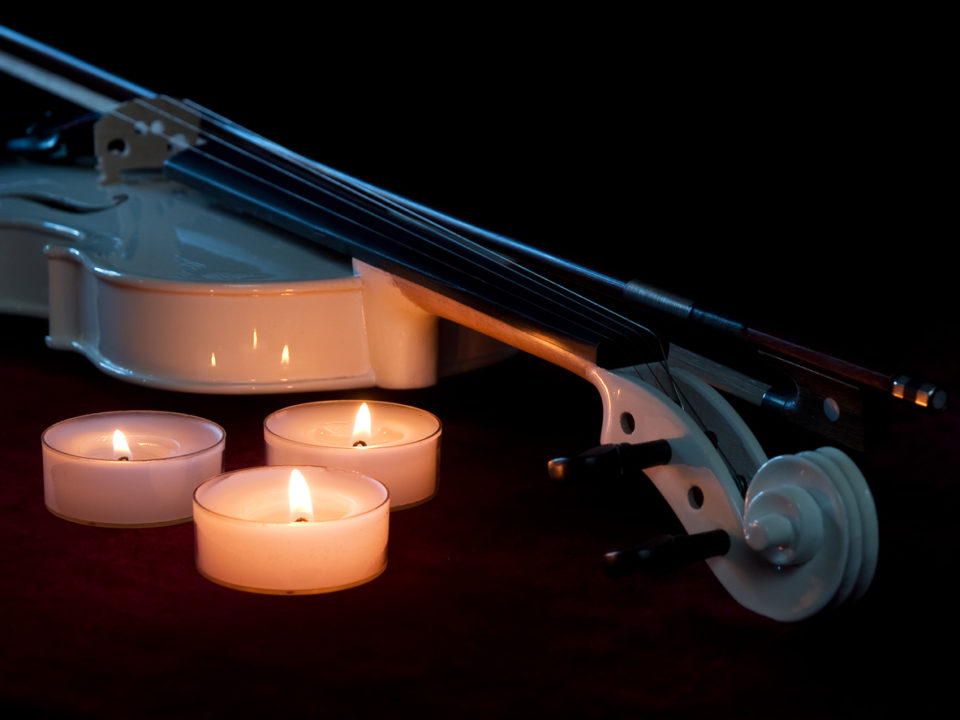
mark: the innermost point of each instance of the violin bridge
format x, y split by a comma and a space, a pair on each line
139, 136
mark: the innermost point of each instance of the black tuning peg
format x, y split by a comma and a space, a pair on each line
666, 554
605, 461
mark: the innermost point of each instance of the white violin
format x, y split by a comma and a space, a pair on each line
326, 282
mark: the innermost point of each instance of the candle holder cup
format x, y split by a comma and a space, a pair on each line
149, 483
250, 537
401, 448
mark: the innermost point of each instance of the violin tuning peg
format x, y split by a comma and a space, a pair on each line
667, 554
605, 461
599, 461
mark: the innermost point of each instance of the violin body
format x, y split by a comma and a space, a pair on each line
157, 285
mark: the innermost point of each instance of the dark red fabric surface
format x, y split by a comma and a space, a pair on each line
493, 603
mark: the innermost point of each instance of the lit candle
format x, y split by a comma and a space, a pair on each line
291, 531
396, 444
128, 469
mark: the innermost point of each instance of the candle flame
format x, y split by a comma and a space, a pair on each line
361, 425
213, 359
301, 507
285, 355
255, 339
121, 449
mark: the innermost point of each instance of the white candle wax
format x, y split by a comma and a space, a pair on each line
248, 538
86, 481
401, 449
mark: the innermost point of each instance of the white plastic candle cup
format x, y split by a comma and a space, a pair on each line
87, 480
248, 538
401, 449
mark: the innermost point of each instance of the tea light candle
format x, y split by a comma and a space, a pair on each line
128, 469
285, 530
398, 444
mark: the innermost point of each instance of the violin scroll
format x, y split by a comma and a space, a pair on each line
798, 537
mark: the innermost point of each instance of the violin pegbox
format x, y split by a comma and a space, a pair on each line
802, 537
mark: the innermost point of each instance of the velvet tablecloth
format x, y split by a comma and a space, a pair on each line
493, 603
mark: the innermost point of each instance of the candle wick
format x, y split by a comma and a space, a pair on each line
301, 519
359, 443
123, 457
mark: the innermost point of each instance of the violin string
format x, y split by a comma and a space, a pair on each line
674, 392
426, 240
390, 204
395, 205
